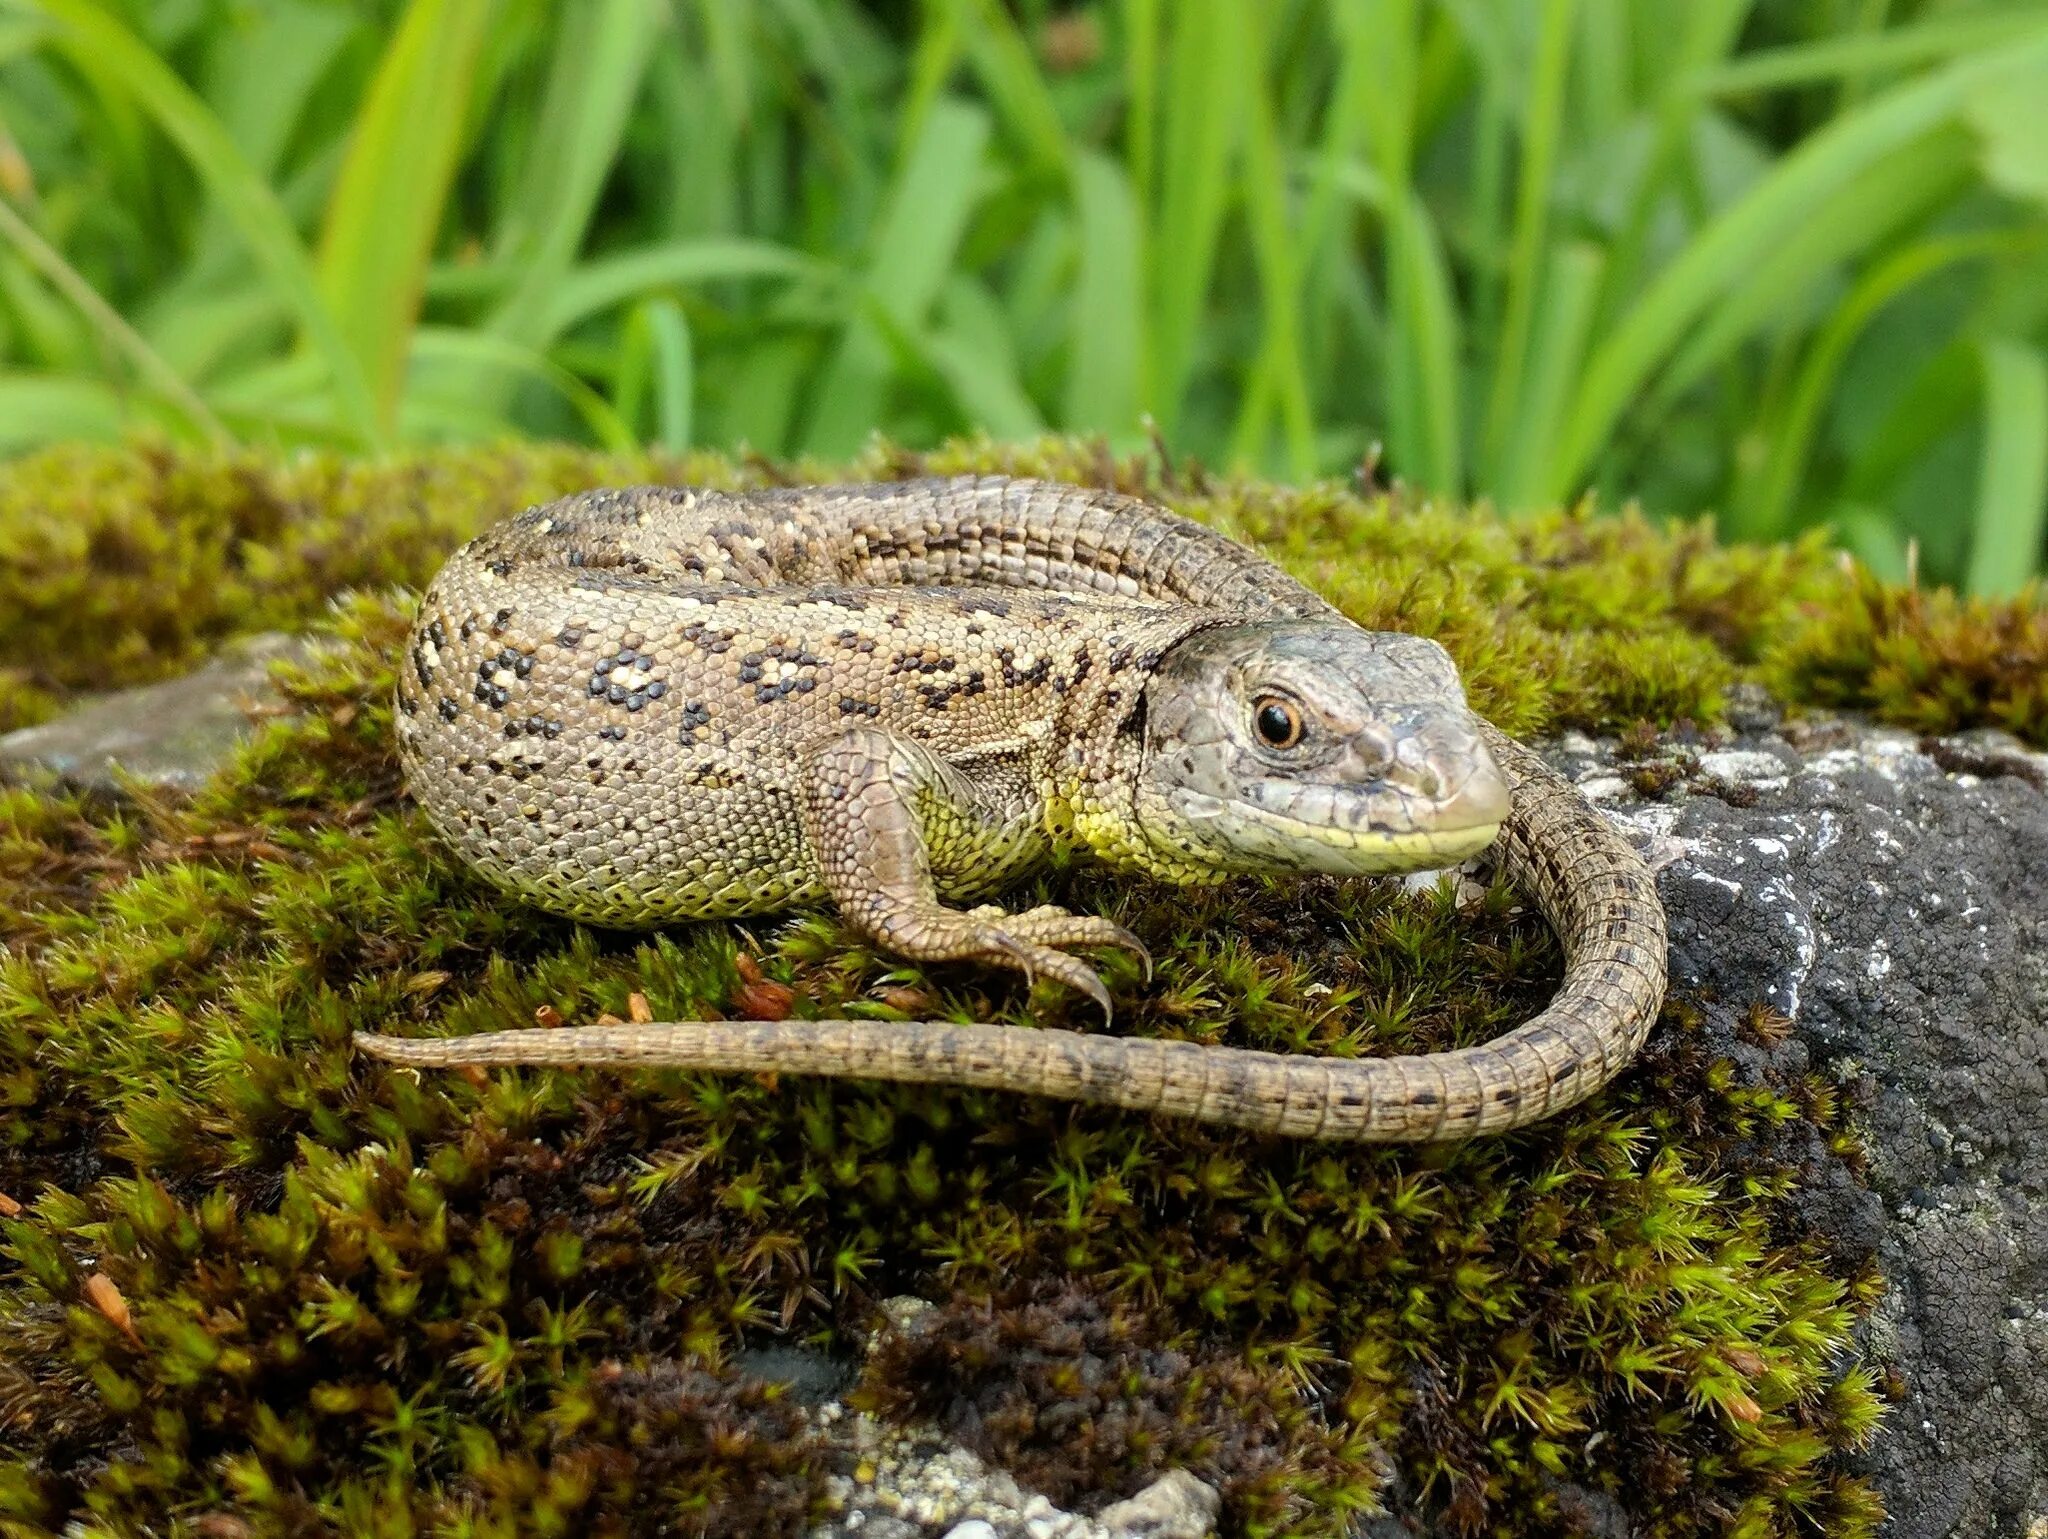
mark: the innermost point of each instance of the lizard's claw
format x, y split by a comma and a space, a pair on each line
1051, 925
1034, 942
1036, 962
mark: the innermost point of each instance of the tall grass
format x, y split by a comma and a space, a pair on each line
1786, 262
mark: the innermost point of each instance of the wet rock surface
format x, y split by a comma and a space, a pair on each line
172, 734
1888, 896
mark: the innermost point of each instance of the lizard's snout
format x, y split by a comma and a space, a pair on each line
1444, 766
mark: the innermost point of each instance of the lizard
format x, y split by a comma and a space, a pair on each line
646, 705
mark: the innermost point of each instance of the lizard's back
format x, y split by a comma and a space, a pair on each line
616, 713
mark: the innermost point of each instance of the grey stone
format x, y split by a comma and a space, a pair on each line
174, 734
973, 1528
812, 1377
1175, 1506
1750, 708
1742, 766
1891, 898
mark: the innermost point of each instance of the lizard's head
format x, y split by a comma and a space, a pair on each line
1313, 745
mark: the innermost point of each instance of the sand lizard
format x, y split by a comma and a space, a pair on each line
664, 703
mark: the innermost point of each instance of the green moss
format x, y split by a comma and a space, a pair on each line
262, 1286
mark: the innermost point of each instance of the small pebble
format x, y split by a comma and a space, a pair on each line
1175, 1506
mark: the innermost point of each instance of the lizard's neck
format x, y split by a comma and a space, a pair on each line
1092, 779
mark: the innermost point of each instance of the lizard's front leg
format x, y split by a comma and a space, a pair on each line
875, 806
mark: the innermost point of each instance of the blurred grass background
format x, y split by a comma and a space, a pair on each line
1784, 261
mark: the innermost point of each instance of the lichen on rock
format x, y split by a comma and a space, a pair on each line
252, 1284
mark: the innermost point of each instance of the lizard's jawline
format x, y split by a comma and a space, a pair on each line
1292, 845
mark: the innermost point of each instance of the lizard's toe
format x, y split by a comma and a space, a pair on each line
1054, 926
1032, 942
1045, 961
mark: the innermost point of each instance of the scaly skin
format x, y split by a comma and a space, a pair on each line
657, 704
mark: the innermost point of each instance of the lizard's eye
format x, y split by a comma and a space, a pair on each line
1277, 721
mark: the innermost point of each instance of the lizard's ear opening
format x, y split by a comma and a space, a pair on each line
1313, 745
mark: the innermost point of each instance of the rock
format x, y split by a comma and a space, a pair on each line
973, 1528
1744, 766
1175, 1506
812, 1377
1890, 897
174, 734
886, 1527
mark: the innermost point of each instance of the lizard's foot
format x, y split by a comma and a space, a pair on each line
1034, 942
1051, 925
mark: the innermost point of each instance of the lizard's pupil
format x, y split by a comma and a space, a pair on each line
1278, 723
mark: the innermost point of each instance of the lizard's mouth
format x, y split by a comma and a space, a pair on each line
1342, 831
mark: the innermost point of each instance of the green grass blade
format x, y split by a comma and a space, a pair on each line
1274, 255
21, 37
1038, 289
908, 260
611, 280
1564, 319
1324, 256
259, 77
2012, 488
102, 48
971, 352
260, 73
1105, 358
36, 409
1865, 53
1933, 404
655, 357
1485, 221
1419, 335
441, 345
1423, 409
1203, 113
726, 27
599, 60
675, 373
1859, 216
1003, 60
927, 210
1141, 90
108, 322
1763, 507
207, 328
1602, 74
1423, 416
1874, 539
760, 389
1704, 31
933, 59
385, 211
43, 332
1541, 129
1721, 253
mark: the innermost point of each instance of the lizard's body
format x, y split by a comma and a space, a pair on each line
658, 704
